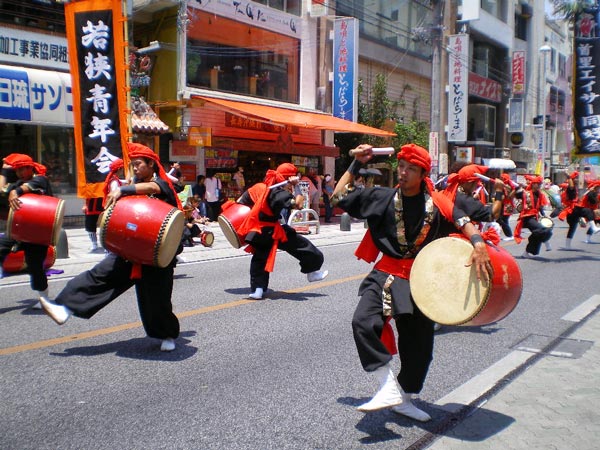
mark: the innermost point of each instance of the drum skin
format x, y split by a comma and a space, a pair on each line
38, 221
450, 294
207, 238
546, 222
231, 219
142, 230
15, 261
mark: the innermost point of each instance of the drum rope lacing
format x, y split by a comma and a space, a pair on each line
159, 237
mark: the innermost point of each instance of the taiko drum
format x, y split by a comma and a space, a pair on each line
15, 261
231, 218
38, 220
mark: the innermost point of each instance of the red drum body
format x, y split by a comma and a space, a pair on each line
38, 220
15, 261
207, 238
450, 294
142, 230
231, 219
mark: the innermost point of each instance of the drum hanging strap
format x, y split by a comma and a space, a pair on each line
386, 296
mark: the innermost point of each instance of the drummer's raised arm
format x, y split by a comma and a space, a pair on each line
360, 159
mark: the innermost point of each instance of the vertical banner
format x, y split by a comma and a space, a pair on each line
515, 115
97, 62
458, 79
586, 88
518, 72
345, 68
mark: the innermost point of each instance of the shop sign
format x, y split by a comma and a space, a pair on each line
24, 48
35, 96
200, 136
518, 72
224, 158
516, 115
246, 123
345, 68
485, 88
182, 150
252, 13
458, 45
464, 154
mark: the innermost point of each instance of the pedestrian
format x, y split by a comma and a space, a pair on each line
199, 193
533, 200
92, 208
213, 195
31, 179
314, 191
240, 182
328, 185
92, 290
265, 233
401, 221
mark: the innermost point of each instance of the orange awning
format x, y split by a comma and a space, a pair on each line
318, 121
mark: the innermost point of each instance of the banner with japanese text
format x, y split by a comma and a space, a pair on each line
586, 88
458, 80
97, 65
345, 68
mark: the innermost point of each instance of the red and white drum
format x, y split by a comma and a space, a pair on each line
15, 261
38, 220
207, 238
547, 222
450, 294
142, 230
232, 216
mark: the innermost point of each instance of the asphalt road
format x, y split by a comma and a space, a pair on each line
280, 373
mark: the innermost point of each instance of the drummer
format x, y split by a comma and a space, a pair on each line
572, 211
31, 179
534, 201
265, 234
401, 221
90, 291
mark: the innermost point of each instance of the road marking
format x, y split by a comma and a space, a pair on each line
194, 312
583, 310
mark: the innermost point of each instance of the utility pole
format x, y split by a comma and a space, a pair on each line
443, 18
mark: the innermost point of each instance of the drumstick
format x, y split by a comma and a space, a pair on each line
283, 183
484, 178
376, 151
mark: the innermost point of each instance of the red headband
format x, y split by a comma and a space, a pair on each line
534, 178
18, 160
282, 173
413, 154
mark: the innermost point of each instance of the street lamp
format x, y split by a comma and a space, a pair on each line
544, 50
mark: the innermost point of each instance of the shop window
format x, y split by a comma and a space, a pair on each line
289, 6
481, 123
230, 56
54, 149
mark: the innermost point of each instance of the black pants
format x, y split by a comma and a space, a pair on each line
503, 222
539, 234
91, 222
328, 208
35, 255
309, 256
213, 210
90, 291
415, 338
573, 219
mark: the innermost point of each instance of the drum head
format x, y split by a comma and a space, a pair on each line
229, 231
442, 287
207, 238
546, 222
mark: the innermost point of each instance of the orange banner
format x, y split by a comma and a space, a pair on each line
96, 46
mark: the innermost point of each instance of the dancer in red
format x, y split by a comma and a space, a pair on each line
533, 208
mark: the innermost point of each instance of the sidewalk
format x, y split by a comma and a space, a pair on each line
552, 404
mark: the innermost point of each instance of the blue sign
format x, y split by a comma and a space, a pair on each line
345, 68
14, 95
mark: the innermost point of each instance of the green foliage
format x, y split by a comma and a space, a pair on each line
569, 8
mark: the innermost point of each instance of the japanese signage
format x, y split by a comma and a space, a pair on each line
215, 157
246, 123
458, 79
515, 115
20, 47
586, 89
345, 68
518, 72
483, 87
35, 96
251, 13
96, 49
